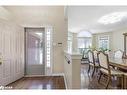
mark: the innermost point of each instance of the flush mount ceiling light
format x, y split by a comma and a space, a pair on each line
112, 18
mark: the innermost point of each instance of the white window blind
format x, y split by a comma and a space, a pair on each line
104, 42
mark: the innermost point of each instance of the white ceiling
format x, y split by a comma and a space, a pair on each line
86, 18
79, 17
35, 15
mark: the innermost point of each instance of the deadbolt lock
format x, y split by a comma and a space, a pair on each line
0, 61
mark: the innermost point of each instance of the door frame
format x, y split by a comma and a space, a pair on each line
25, 49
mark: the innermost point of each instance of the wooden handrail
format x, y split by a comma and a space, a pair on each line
67, 59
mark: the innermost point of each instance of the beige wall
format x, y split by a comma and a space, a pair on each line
116, 39
55, 19
95, 39
59, 35
4, 14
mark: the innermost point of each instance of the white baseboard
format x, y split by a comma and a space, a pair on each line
34, 75
65, 81
58, 74
55, 74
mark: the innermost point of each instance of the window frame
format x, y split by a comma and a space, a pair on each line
82, 49
102, 36
69, 41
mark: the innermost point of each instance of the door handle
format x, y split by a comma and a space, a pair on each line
0, 61
0, 58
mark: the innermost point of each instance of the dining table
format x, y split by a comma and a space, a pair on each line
121, 64
118, 62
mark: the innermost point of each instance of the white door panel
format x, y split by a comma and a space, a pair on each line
11, 47
6, 71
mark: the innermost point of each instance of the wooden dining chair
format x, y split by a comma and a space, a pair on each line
92, 62
109, 52
106, 70
118, 54
84, 58
95, 54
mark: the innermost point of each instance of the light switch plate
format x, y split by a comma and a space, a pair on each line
59, 44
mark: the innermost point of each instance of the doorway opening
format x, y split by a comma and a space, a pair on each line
38, 51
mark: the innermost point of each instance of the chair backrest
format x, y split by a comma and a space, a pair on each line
90, 56
109, 53
95, 54
103, 60
84, 54
118, 54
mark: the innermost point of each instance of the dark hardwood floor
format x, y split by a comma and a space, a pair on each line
88, 82
44, 82
57, 82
